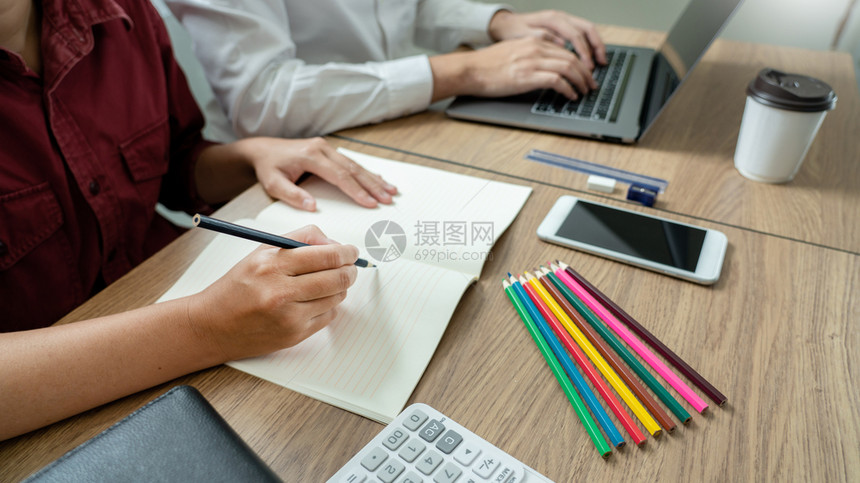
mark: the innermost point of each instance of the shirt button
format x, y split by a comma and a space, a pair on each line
3, 249
94, 187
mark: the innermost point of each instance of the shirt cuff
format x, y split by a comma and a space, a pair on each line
480, 15
410, 84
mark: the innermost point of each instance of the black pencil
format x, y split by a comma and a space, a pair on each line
228, 228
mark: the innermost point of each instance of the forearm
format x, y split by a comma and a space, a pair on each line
444, 25
223, 171
284, 100
451, 75
49, 374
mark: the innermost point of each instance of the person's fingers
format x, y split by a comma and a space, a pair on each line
581, 33
310, 234
344, 178
583, 49
567, 74
550, 57
316, 285
547, 36
372, 183
557, 82
315, 258
308, 318
597, 45
328, 308
280, 187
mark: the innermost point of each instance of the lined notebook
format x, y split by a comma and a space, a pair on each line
429, 246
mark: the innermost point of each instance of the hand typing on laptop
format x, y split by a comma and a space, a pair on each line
554, 26
529, 54
635, 82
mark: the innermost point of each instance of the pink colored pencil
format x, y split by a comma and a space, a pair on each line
683, 389
589, 370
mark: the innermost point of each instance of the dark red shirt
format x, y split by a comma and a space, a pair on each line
87, 149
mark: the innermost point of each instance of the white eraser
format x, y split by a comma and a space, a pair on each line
600, 183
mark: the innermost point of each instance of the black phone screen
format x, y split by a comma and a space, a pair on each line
631, 234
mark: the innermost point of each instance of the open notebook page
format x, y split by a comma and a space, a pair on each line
369, 359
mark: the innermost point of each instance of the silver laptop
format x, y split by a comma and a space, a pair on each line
635, 85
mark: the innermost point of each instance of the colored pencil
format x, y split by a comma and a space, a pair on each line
240, 231
559, 333
520, 301
646, 419
650, 338
576, 377
683, 389
613, 341
563, 294
612, 359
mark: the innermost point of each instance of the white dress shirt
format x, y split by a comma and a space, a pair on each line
299, 68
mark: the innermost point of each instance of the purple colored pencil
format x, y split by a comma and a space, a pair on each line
648, 337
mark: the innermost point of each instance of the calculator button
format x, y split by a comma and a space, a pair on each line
395, 439
503, 474
448, 474
415, 420
411, 477
449, 441
390, 470
411, 450
355, 477
431, 430
423, 445
429, 462
486, 466
466, 453
373, 459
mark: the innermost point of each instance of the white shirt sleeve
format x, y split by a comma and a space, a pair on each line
444, 25
250, 61
249, 54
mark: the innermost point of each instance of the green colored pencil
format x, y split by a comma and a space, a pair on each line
622, 351
566, 386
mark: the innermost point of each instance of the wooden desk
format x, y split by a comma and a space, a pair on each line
691, 145
778, 335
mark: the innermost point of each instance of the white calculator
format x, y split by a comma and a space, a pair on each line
422, 445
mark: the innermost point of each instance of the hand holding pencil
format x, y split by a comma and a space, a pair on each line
275, 298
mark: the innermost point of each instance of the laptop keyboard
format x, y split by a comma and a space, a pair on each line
600, 104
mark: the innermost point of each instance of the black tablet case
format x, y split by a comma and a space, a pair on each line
177, 437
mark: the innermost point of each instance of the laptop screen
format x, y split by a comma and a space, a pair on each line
686, 42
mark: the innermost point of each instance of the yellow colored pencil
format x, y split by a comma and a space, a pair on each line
638, 409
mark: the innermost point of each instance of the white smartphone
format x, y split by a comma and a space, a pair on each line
670, 247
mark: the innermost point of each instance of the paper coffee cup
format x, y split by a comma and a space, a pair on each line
782, 115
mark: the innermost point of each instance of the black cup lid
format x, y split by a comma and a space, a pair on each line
794, 92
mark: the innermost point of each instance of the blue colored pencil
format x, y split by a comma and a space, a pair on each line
575, 376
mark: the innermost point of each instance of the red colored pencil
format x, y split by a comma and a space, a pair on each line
586, 367
649, 338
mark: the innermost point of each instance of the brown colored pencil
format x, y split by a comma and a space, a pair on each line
648, 337
659, 414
